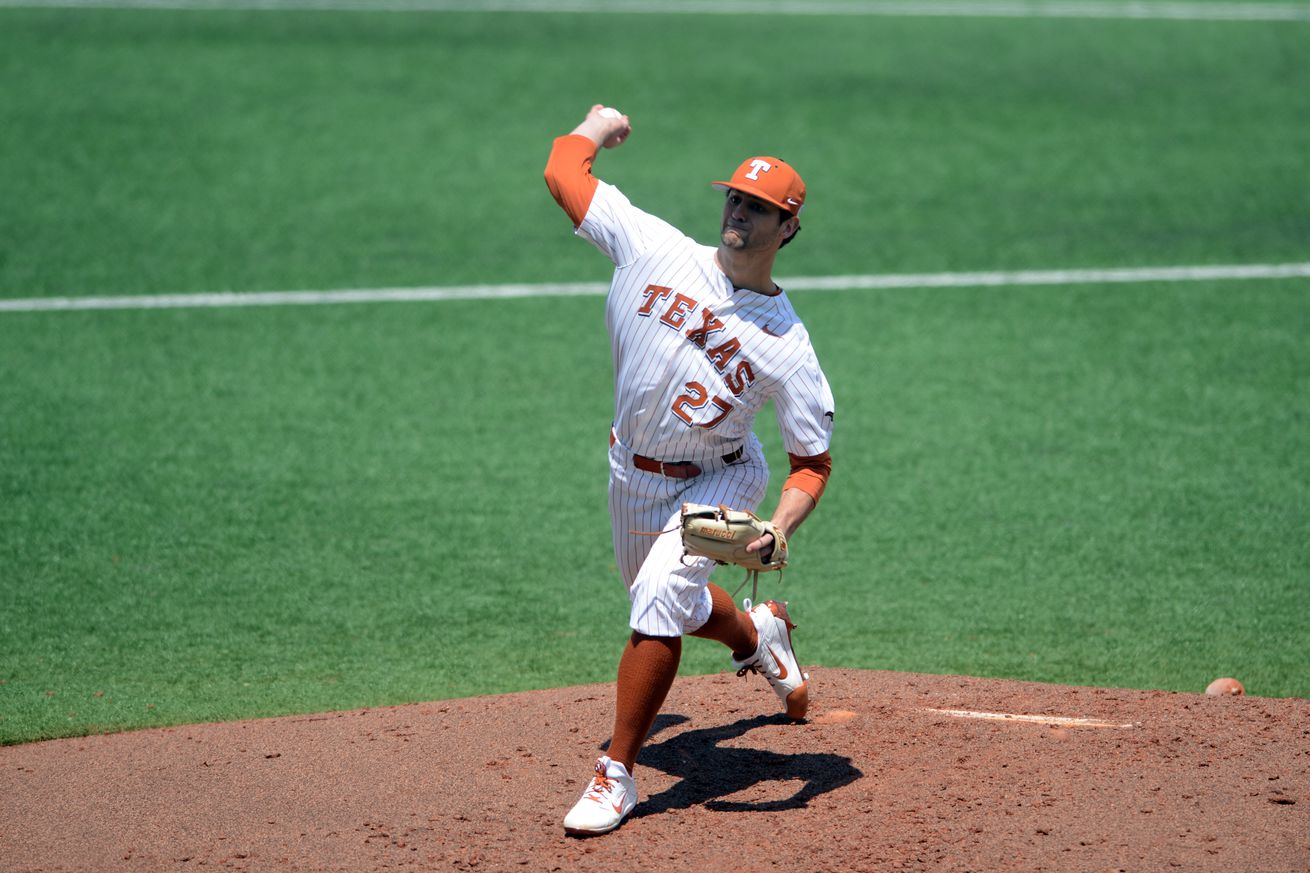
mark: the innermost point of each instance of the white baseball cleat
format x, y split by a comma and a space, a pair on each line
607, 801
775, 660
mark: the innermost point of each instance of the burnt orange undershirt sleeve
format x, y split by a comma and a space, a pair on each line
809, 474
568, 175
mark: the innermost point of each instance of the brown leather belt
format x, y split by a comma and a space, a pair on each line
676, 469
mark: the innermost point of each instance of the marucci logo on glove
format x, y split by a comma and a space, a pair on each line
722, 535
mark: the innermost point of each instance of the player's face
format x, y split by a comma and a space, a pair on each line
751, 223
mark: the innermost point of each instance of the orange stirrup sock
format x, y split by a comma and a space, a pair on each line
729, 625
646, 672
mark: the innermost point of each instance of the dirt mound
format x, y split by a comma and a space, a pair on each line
892, 771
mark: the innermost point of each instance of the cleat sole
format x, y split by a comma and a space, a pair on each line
798, 701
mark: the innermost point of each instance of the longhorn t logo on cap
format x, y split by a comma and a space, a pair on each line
771, 179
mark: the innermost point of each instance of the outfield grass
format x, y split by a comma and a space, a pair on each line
146, 151
218, 514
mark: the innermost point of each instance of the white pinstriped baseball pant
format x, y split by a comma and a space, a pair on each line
669, 596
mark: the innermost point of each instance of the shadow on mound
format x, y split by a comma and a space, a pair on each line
709, 771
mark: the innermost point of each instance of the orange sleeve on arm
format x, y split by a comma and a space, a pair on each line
568, 175
809, 474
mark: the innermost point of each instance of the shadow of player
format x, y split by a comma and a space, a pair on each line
709, 771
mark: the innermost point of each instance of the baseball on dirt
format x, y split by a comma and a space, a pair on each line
1225, 687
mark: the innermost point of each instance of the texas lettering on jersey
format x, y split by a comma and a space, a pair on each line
720, 352
695, 359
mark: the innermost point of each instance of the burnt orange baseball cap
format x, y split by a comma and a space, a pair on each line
770, 179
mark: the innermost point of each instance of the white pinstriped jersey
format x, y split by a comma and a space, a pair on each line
694, 358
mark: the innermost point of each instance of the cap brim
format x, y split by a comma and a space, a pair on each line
754, 192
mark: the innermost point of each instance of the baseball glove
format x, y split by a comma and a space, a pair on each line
722, 534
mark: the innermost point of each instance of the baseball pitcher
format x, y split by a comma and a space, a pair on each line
702, 337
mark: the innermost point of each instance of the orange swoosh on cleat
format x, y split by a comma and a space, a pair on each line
782, 668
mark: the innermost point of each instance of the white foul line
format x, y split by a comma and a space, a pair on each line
1055, 720
1053, 277
1173, 10
227, 299
596, 289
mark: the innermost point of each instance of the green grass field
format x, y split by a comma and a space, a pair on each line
214, 514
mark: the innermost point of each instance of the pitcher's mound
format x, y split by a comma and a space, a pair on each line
891, 771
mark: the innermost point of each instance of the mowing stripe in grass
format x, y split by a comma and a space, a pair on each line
1177, 11
583, 289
